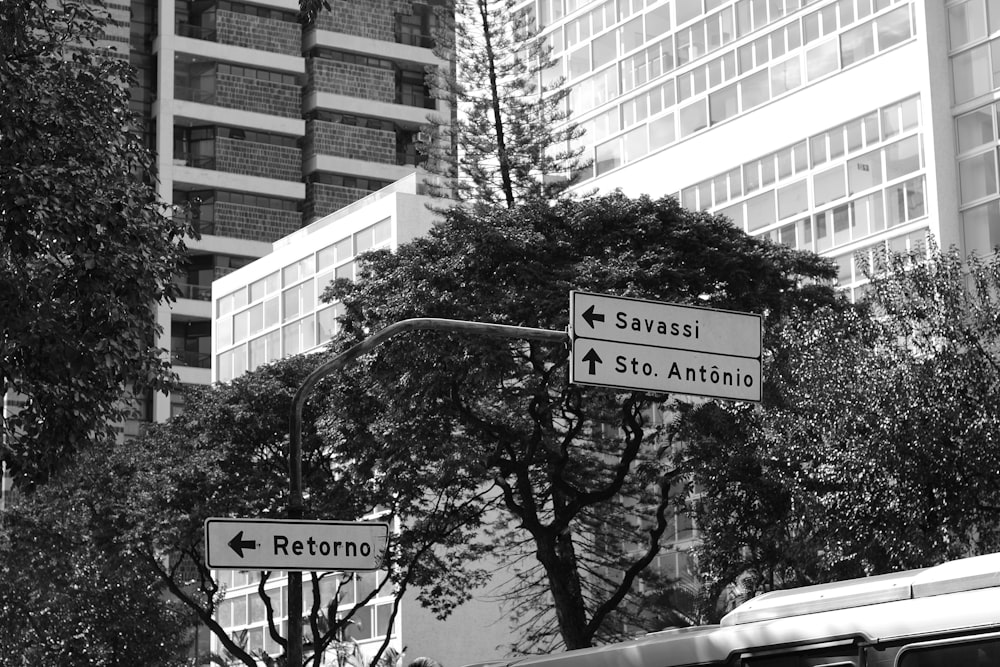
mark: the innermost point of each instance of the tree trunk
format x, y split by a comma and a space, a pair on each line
558, 556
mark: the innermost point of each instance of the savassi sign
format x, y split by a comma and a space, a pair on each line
284, 544
660, 347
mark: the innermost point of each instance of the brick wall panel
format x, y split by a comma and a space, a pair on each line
255, 223
254, 159
263, 34
358, 143
369, 83
267, 97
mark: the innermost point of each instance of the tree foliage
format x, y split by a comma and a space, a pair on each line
875, 450
508, 138
496, 422
227, 456
71, 593
86, 251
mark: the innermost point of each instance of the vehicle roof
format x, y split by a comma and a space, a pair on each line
963, 594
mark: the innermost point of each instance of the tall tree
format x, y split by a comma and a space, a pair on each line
508, 138
471, 415
86, 251
875, 450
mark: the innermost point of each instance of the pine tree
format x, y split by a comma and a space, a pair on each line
508, 138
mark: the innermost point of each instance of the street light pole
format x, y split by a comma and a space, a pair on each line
295, 504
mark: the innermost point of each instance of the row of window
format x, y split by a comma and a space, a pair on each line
326, 53
346, 181
547, 12
854, 267
257, 73
258, 11
750, 92
203, 199
850, 221
706, 36
351, 119
841, 141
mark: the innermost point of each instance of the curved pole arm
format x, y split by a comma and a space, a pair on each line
295, 504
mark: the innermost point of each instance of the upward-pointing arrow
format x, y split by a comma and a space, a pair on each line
590, 316
593, 359
238, 544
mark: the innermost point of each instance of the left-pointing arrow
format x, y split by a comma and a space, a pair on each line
238, 544
590, 316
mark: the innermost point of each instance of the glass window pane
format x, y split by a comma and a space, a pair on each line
902, 157
735, 214
661, 131
975, 129
290, 299
822, 60
636, 144
723, 104
864, 172
978, 176
867, 215
694, 117
893, 27
793, 199
966, 23
786, 76
761, 211
755, 89
972, 73
981, 228
857, 44
609, 156
829, 185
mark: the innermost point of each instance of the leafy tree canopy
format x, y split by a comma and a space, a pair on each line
71, 592
227, 456
876, 450
496, 422
86, 251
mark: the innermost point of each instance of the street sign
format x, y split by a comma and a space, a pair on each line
641, 345
288, 544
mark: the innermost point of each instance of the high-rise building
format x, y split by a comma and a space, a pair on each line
839, 126
261, 126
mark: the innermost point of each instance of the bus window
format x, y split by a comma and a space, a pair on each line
967, 652
840, 656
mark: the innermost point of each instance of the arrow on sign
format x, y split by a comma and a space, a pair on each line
238, 544
593, 359
590, 316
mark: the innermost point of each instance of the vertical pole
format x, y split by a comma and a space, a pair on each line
295, 505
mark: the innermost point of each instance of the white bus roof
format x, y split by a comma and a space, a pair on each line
962, 595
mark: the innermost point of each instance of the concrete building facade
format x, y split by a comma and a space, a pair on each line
261, 126
846, 127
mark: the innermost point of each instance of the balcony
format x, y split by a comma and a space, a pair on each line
190, 359
196, 292
196, 32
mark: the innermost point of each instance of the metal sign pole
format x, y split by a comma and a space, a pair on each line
295, 504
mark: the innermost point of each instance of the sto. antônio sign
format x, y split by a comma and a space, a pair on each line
653, 346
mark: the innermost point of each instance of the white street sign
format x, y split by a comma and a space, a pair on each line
643, 345
643, 368
289, 544
659, 324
